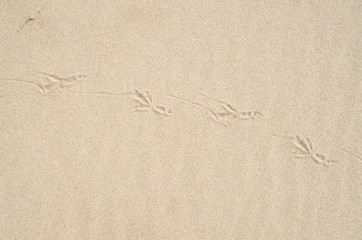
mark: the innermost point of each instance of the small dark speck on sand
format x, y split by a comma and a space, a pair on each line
29, 19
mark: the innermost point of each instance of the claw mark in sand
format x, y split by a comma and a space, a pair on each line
145, 103
305, 149
39, 86
143, 99
57, 83
223, 119
232, 112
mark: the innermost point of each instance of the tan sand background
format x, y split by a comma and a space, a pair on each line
77, 165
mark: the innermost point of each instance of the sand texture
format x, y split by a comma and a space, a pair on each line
180, 120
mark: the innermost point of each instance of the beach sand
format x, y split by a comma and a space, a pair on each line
180, 120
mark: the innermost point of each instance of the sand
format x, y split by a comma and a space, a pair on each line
180, 120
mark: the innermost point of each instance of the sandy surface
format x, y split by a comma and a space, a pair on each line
180, 120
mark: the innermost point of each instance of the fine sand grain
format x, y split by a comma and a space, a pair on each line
180, 120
